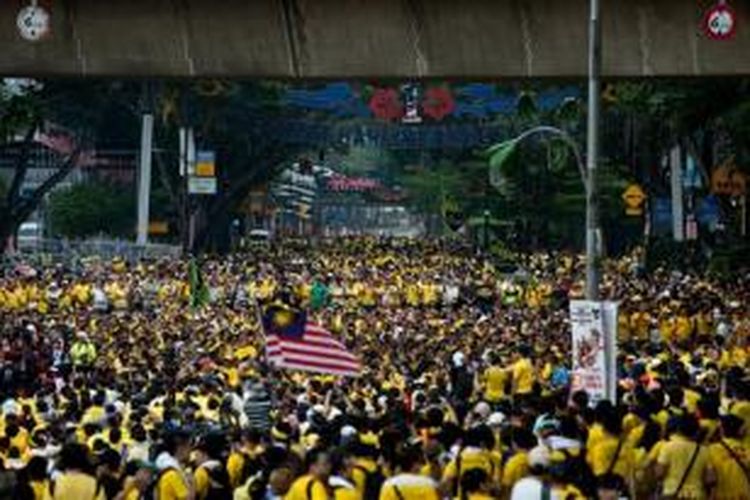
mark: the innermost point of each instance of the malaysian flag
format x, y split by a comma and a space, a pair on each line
295, 343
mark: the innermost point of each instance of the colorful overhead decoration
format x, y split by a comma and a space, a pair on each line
417, 103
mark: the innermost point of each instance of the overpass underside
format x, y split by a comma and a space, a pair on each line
467, 39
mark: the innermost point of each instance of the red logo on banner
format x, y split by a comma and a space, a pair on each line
438, 103
386, 105
720, 22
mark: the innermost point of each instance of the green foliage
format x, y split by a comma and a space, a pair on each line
19, 107
92, 208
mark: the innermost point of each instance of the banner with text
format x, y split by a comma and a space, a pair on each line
593, 348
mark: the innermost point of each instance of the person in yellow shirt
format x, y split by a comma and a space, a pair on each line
708, 409
211, 476
494, 378
412, 295
644, 457
75, 480
409, 484
683, 325
339, 481
517, 465
667, 327
174, 483
731, 461
640, 321
37, 477
314, 484
475, 485
684, 465
245, 451
522, 372
612, 453
365, 462
137, 480
741, 408
475, 453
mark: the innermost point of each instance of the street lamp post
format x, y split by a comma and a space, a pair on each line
592, 231
592, 155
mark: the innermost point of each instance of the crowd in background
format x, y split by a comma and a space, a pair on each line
116, 383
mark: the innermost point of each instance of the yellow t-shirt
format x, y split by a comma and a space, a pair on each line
569, 492
409, 487
172, 486
523, 376
76, 485
302, 489
596, 434
362, 467
731, 481
202, 482
639, 324
494, 380
602, 455
675, 455
40, 489
683, 328
516, 468
691, 399
345, 493
130, 490
235, 464
741, 409
474, 458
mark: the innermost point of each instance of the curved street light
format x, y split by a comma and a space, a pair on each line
499, 153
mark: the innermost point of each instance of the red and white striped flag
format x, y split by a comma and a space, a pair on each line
315, 351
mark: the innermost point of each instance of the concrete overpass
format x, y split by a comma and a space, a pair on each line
361, 38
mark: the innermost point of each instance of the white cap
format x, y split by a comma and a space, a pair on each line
496, 419
482, 409
458, 358
539, 456
348, 431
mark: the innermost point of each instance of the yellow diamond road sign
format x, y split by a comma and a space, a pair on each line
634, 196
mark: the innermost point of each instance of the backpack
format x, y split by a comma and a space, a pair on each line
373, 482
218, 488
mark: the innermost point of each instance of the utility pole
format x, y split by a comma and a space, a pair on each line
593, 233
144, 178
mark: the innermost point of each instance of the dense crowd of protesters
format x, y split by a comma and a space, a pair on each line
116, 384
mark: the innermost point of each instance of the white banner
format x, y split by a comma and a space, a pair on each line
589, 367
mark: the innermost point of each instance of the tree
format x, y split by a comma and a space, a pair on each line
82, 108
230, 120
92, 208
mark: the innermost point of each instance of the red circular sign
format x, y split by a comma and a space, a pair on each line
720, 22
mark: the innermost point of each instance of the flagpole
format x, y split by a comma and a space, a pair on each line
259, 318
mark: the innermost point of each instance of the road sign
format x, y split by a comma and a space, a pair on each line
202, 185
32, 22
720, 22
158, 227
205, 164
634, 197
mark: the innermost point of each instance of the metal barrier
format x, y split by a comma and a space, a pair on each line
56, 250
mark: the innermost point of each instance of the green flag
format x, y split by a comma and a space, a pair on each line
318, 295
199, 294
498, 155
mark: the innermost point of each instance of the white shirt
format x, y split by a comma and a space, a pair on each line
530, 488
100, 299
